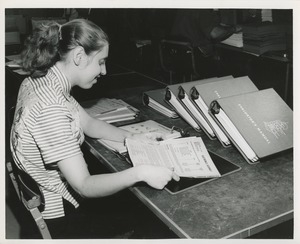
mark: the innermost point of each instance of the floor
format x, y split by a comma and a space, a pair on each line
12, 226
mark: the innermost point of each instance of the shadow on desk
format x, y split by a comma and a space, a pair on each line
284, 230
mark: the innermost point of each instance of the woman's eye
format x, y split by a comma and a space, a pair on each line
101, 62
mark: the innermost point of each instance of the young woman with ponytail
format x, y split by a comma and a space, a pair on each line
49, 124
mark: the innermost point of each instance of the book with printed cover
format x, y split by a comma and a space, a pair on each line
260, 123
203, 94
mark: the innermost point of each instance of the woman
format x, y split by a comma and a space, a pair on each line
49, 124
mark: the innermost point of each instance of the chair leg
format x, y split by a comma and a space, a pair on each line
41, 224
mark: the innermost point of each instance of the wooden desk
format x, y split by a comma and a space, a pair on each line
236, 206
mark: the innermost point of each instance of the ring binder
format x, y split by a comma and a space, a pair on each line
182, 132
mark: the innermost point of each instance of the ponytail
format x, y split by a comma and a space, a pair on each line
41, 50
51, 43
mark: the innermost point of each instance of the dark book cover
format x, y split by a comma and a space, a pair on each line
157, 95
263, 119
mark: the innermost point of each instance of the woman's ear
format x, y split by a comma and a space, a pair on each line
79, 56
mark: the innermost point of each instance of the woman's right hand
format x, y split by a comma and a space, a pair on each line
156, 176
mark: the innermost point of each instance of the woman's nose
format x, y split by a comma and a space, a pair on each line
103, 69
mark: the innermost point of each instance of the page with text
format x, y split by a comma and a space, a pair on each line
188, 156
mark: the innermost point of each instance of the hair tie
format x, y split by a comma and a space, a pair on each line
59, 31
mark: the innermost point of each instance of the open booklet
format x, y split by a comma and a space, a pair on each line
149, 126
187, 156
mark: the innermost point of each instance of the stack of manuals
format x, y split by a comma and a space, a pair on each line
203, 95
264, 37
155, 99
235, 40
110, 110
178, 98
233, 110
145, 127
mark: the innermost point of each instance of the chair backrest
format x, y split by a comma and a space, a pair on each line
177, 57
30, 195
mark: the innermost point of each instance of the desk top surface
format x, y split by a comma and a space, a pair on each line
237, 205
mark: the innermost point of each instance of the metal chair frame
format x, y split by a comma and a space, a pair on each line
31, 197
28, 191
178, 52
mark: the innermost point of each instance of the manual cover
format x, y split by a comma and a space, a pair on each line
262, 118
225, 88
203, 95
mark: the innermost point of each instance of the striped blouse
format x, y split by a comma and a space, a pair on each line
46, 129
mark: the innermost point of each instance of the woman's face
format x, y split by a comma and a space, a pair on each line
93, 69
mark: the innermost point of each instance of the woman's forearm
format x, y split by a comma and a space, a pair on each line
108, 184
100, 129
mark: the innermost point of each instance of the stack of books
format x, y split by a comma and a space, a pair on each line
264, 37
257, 122
110, 110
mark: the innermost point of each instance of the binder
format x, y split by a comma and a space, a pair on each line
156, 100
184, 97
202, 96
259, 123
171, 96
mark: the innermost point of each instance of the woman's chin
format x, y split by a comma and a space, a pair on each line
93, 83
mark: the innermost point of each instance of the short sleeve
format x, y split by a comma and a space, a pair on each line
53, 134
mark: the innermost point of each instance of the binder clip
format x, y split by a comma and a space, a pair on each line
182, 132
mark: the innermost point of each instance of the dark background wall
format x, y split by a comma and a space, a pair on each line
126, 25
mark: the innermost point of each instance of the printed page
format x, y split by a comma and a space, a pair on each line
103, 106
188, 156
149, 126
